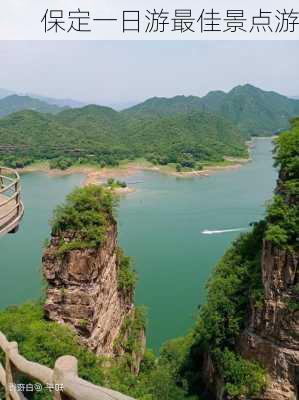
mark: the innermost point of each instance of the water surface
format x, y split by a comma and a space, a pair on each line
160, 226
20, 254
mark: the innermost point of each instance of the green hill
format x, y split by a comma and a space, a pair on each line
182, 130
256, 112
161, 106
102, 135
14, 103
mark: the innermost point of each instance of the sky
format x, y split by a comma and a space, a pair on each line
121, 73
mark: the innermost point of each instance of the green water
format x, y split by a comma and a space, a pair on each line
160, 227
20, 254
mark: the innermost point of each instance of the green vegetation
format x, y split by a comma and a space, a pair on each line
127, 277
101, 136
61, 163
129, 339
283, 213
235, 283
16, 162
242, 377
186, 131
236, 278
14, 103
254, 111
115, 184
293, 305
183, 140
42, 341
84, 218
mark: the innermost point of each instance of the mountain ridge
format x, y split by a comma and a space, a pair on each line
15, 103
255, 111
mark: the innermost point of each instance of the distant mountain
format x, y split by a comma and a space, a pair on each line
14, 103
59, 102
255, 111
161, 106
54, 101
123, 105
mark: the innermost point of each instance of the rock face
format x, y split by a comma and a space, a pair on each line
272, 336
84, 293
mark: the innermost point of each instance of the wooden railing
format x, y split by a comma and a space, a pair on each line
11, 206
63, 379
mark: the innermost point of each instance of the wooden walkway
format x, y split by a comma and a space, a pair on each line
11, 207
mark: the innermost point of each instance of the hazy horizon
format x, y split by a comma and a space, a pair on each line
120, 74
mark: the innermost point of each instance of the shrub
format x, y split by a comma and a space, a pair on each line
43, 341
186, 160
242, 377
61, 163
114, 184
127, 277
85, 216
283, 213
277, 235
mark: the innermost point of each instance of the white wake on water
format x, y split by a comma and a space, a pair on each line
208, 232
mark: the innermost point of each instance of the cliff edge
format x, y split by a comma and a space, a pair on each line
90, 280
272, 334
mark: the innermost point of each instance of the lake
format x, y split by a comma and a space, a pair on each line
160, 227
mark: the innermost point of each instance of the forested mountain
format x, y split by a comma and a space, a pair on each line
181, 130
166, 106
256, 112
14, 103
102, 135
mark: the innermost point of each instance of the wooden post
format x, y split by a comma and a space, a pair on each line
18, 204
9, 371
1, 179
64, 366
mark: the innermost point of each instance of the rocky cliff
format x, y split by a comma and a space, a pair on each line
272, 335
85, 289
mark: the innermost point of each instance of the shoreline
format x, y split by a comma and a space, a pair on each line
96, 175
